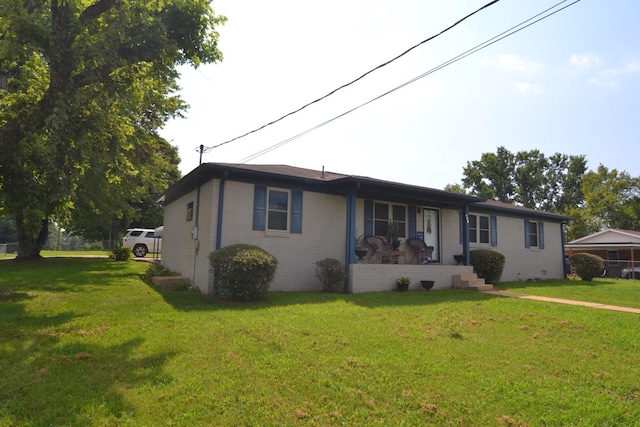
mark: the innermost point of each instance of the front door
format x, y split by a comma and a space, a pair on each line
431, 218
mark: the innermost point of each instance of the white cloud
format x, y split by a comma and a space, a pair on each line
516, 63
585, 60
632, 65
612, 76
529, 88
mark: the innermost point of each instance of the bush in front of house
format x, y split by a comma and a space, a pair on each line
487, 264
155, 269
243, 272
587, 266
120, 254
331, 273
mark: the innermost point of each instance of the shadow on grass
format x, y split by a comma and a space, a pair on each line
60, 274
193, 301
55, 375
510, 286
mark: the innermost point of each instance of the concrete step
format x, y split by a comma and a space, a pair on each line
470, 281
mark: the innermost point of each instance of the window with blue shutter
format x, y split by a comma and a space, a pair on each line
533, 234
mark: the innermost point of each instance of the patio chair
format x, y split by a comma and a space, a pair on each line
378, 248
420, 250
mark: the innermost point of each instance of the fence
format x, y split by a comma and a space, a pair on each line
623, 269
8, 248
65, 244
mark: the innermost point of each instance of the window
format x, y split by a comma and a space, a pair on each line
278, 210
479, 229
383, 213
189, 211
533, 234
612, 257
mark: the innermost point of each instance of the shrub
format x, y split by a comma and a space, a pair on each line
244, 272
331, 273
487, 264
155, 269
587, 266
120, 254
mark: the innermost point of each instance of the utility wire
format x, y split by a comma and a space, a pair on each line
511, 31
207, 149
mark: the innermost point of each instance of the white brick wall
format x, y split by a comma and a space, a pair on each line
382, 277
323, 235
529, 263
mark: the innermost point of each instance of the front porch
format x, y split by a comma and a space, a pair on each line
382, 277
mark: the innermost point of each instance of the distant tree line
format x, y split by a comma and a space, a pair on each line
595, 199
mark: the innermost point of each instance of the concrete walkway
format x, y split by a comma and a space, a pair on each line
564, 301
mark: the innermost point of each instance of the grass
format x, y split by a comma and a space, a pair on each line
86, 342
48, 254
621, 292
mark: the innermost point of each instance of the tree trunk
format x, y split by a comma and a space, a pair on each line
28, 247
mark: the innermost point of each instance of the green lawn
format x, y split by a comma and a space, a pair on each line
49, 254
622, 292
84, 342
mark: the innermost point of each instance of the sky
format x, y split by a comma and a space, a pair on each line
568, 84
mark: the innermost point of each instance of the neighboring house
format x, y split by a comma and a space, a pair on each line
619, 248
301, 216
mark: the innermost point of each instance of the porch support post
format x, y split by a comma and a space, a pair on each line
465, 236
350, 246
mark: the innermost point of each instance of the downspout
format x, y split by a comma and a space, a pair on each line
194, 234
564, 265
220, 210
219, 222
465, 236
350, 247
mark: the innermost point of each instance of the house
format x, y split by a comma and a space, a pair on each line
301, 216
619, 248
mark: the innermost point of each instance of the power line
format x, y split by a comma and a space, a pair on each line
207, 149
511, 31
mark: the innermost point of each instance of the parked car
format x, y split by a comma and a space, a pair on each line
141, 241
626, 273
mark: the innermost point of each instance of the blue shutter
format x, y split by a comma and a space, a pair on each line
494, 231
541, 235
296, 211
368, 217
461, 217
259, 207
412, 222
527, 241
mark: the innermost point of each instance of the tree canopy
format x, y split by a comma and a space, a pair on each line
84, 86
559, 183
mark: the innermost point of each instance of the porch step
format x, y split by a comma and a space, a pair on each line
166, 281
470, 281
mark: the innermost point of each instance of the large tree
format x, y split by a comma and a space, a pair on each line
611, 200
84, 85
527, 178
